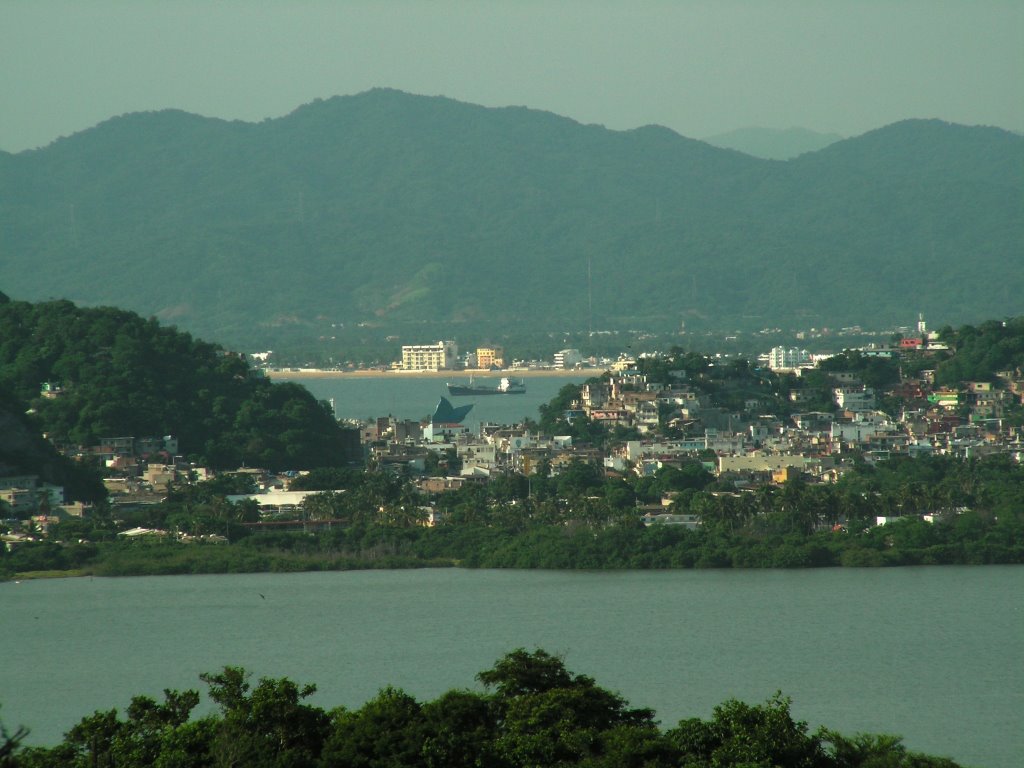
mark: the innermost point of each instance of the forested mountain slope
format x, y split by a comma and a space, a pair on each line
24, 451
391, 208
122, 375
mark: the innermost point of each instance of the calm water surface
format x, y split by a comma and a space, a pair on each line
416, 398
934, 654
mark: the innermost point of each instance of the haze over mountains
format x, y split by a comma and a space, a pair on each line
395, 209
773, 143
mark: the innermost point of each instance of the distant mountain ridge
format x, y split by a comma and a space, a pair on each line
390, 208
773, 143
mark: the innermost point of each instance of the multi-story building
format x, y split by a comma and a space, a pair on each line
429, 357
785, 358
490, 357
856, 398
568, 358
18, 481
594, 395
22, 501
31, 498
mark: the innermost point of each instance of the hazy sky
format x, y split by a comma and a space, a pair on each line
699, 67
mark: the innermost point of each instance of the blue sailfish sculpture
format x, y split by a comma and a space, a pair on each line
446, 413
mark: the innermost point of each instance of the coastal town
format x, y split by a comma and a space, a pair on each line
511, 385
790, 416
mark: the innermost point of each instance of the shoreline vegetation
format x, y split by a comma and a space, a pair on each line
573, 547
577, 519
531, 711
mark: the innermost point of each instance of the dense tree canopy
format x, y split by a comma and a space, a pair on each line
122, 375
24, 451
534, 714
982, 351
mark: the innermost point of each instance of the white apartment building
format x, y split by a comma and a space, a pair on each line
784, 358
429, 357
568, 358
854, 398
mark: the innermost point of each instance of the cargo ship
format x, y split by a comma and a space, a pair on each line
505, 387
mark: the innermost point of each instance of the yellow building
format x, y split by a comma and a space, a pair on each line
490, 357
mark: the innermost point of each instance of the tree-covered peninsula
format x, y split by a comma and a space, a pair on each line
90, 373
531, 713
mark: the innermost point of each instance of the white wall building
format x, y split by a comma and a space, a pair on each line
429, 357
785, 358
859, 431
568, 358
854, 398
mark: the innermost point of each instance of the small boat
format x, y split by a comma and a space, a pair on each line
505, 387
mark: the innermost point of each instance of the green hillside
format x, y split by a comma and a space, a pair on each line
24, 451
391, 208
122, 375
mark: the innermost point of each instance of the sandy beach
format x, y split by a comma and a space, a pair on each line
314, 373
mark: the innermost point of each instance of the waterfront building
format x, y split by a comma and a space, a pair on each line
429, 357
490, 357
568, 358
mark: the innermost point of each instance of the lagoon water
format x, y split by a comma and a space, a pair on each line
416, 398
934, 654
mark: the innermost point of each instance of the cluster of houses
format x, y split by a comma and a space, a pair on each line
668, 425
31, 507
745, 446
139, 470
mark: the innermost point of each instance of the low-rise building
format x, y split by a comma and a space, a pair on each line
758, 462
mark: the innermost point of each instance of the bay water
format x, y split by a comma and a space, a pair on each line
932, 653
411, 397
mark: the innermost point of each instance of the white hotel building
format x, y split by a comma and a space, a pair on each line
429, 357
782, 358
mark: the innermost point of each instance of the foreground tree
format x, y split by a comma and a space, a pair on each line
269, 726
741, 734
9, 742
534, 714
549, 716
